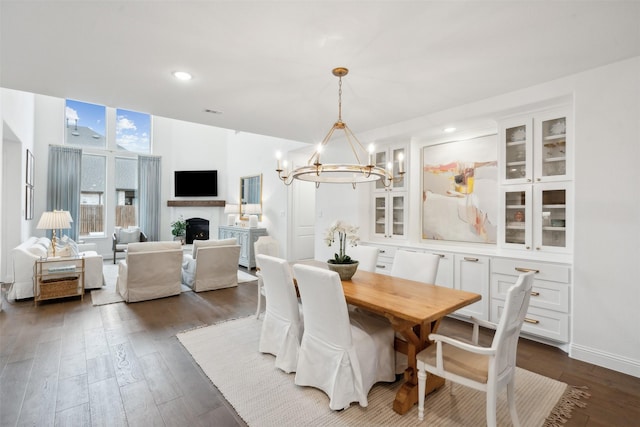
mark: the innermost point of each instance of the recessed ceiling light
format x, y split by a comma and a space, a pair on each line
182, 75
449, 129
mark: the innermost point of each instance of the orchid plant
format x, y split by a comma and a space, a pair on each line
346, 233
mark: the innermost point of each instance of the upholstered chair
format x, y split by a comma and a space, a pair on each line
367, 257
212, 265
265, 245
121, 238
282, 325
342, 353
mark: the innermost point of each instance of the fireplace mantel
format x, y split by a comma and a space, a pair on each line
215, 203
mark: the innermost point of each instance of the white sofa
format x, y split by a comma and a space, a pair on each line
150, 270
24, 256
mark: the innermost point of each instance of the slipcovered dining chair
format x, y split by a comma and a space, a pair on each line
487, 369
342, 353
367, 256
417, 266
265, 245
282, 325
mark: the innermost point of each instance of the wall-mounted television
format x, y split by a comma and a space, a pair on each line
196, 183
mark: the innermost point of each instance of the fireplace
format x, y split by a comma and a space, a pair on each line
197, 229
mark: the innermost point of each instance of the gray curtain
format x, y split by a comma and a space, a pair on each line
149, 173
63, 183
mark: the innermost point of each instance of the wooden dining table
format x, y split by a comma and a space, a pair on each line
414, 309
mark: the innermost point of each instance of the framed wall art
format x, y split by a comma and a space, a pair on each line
460, 190
29, 168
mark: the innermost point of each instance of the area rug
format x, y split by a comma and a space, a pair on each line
265, 396
108, 294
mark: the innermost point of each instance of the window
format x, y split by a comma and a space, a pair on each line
85, 124
133, 131
92, 194
126, 183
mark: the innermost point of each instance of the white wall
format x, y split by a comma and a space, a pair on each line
606, 293
251, 154
17, 136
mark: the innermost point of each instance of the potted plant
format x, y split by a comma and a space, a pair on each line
179, 229
341, 262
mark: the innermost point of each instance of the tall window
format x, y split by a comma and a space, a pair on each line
126, 180
133, 131
92, 195
85, 124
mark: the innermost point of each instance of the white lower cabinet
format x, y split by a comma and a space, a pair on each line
385, 258
471, 273
549, 309
445, 269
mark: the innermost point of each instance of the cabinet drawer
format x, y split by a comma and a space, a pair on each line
538, 321
544, 294
546, 271
385, 259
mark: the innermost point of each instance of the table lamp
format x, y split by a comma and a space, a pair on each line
253, 210
53, 221
232, 211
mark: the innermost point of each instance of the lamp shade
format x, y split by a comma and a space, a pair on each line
231, 209
252, 209
54, 220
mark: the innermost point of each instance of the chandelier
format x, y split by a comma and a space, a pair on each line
342, 173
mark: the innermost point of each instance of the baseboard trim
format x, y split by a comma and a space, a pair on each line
607, 360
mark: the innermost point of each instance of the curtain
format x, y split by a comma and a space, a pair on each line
149, 173
63, 183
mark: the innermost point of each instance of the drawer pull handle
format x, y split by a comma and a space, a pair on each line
381, 266
382, 251
471, 259
535, 294
441, 255
526, 270
534, 321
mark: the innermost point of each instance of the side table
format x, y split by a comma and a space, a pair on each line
58, 278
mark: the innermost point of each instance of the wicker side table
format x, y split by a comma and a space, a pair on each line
58, 278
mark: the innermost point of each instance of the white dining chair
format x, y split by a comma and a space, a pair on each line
282, 325
367, 257
488, 369
342, 353
265, 245
418, 266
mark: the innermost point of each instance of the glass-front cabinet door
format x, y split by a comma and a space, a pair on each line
552, 230
394, 156
551, 147
390, 220
517, 157
516, 203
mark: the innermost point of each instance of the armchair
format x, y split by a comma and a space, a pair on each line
123, 236
213, 265
150, 270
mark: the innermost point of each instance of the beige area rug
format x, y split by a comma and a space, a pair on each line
265, 396
108, 294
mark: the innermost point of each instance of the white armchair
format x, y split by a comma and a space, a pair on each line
150, 270
212, 265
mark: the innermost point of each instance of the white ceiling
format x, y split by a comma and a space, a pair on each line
266, 65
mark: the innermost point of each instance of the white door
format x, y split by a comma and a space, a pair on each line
303, 208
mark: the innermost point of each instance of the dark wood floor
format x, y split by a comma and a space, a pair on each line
69, 363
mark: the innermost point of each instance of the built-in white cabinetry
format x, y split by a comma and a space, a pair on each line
390, 203
537, 217
549, 308
536, 148
445, 269
535, 195
471, 273
385, 258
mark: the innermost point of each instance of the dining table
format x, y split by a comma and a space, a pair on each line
414, 310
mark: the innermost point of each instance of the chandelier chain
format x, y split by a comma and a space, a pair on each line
340, 99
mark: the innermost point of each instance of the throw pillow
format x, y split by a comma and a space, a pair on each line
129, 236
71, 244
